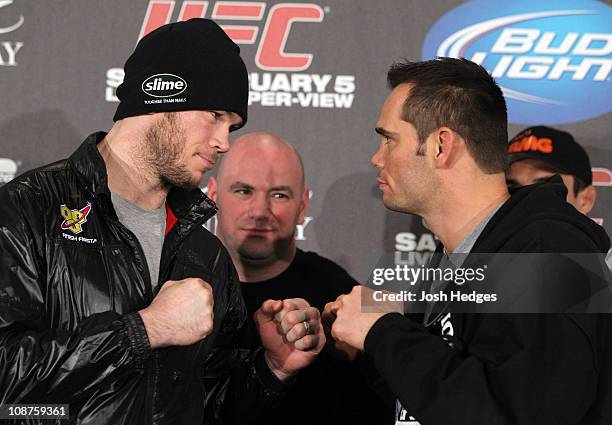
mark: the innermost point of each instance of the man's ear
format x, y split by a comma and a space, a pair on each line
585, 200
446, 144
212, 188
304, 205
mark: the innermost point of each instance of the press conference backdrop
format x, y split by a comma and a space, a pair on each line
317, 78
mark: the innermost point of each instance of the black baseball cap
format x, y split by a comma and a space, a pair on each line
556, 148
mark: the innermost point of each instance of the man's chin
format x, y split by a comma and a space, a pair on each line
190, 185
256, 259
256, 252
389, 204
394, 206
185, 182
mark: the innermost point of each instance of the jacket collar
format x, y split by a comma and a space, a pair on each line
89, 165
189, 205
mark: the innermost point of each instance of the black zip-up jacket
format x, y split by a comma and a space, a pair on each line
507, 369
72, 279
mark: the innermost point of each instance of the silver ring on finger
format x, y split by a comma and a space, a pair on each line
306, 328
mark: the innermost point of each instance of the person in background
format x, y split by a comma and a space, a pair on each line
537, 153
261, 194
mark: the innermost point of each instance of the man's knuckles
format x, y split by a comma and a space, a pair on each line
299, 330
306, 343
292, 318
206, 328
198, 284
298, 303
313, 313
337, 330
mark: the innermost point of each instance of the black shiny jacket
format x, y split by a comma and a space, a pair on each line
72, 279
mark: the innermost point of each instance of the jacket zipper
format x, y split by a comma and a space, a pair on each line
163, 273
151, 376
162, 277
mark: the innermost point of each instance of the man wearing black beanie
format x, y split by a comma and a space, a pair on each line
115, 301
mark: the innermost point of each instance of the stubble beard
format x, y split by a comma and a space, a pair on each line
415, 202
163, 150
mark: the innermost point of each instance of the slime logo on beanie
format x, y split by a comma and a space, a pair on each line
164, 85
184, 66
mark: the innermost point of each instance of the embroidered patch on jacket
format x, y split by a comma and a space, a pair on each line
74, 219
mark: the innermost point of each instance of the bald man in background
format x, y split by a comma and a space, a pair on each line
262, 197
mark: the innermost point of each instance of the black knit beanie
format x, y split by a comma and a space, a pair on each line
190, 65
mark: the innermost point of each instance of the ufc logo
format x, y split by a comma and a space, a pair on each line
271, 55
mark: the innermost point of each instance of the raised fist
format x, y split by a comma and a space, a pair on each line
180, 314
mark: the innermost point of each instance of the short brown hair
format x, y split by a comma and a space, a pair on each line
461, 95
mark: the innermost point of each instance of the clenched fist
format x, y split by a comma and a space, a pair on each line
180, 314
339, 349
349, 323
291, 334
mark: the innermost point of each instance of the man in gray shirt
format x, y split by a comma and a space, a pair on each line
99, 310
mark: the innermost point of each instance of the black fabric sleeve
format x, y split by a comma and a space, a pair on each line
363, 365
243, 388
516, 370
39, 363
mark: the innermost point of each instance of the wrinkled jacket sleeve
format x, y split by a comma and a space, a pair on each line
37, 362
248, 388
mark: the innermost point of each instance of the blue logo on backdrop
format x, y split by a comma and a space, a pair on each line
552, 59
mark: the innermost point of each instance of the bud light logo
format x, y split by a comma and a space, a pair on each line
164, 85
552, 59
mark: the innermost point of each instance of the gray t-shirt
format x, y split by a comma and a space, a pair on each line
148, 226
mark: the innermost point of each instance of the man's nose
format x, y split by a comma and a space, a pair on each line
259, 206
220, 140
377, 159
